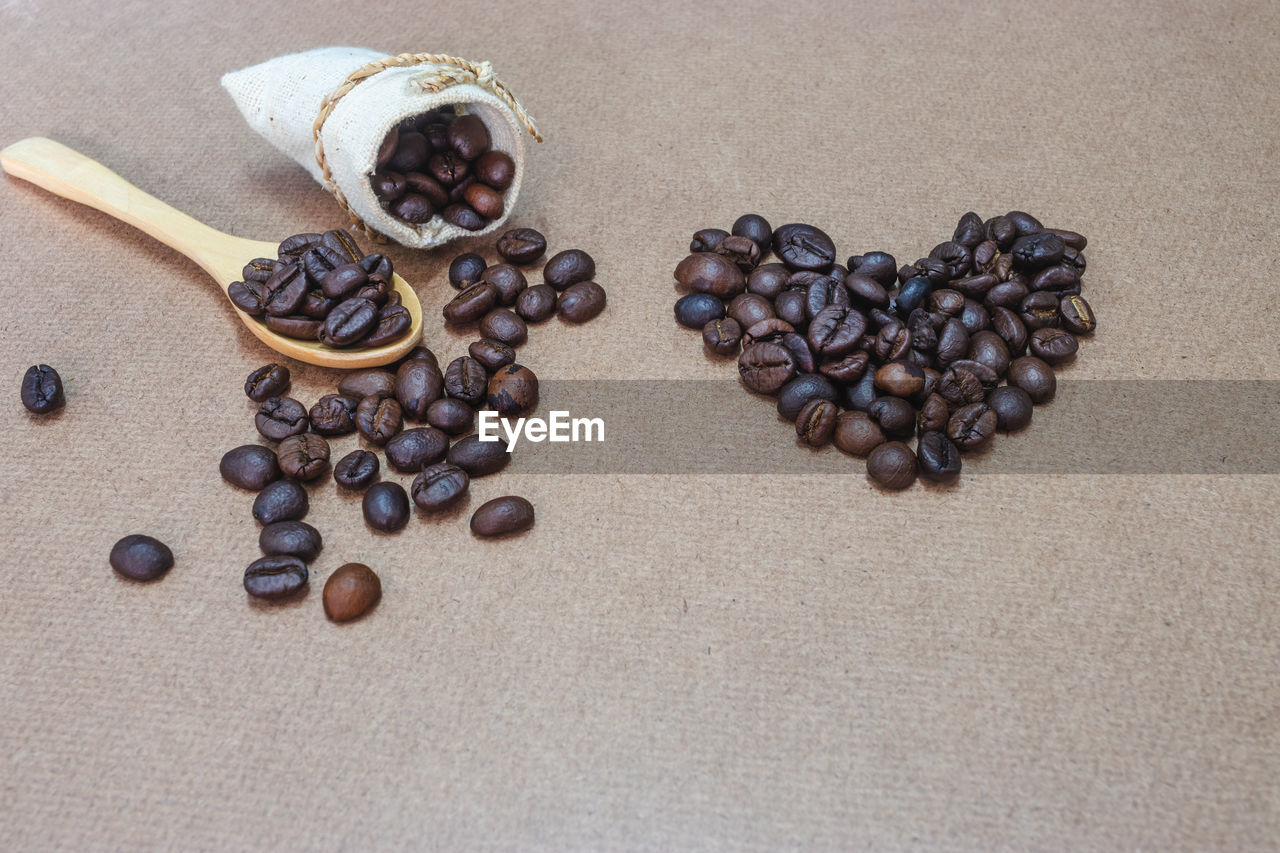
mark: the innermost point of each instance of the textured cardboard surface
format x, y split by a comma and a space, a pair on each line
712, 661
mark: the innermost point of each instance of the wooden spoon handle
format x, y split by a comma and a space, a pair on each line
62, 171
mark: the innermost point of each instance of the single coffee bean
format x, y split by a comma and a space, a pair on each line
247, 296
349, 322
303, 457
1024, 223
900, 379
42, 390
463, 216
1054, 346
1002, 230
249, 466
821, 291
413, 208
975, 317
334, 414
756, 228
960, 387
707, 239
412, 150
465, 270
386, 507
275, 577
937, 271
1012, 406
1077, 316
856, 434
393, 322
1074, 259
742, 251
379, 418
419, 383
367, 383
986, 377
938, 456
880, 266
513, 390
350, 592
913, 293
791, 305
536, 303
502, 516
521, 245
270, 380
866, 292
765, 367
295, 538
447, 168
1011, 329
283, 500
986, 347
1059, 278
895, 415
466, 379
836, 331
801, 352
471, 303
478, 458
934, 414
793, 396
468, 136
297, 244
768, 280
356, 470
749, 309
496, 168
507, 280
969, 231
804, 247
582, 302
388, 186
259, 270
141, 558
388, 147
414, 449
1039, 310
1037, 251
846, 369
772, 329
492, 354
972, 426
485, 200
893, 342
285, 290
280, 417
956, 256
722, 337
439, 486
697, 309
423, 354
816, 422
706, 272
451, 416
569, 267
317, 306
860, 395
892, 465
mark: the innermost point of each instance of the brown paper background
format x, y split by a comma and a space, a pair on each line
694, 662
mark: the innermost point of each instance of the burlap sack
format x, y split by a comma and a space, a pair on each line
330, 108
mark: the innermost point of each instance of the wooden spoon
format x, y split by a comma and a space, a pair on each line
70, 174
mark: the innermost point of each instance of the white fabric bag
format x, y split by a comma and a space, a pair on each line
330, 108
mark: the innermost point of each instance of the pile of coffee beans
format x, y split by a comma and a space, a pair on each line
868, 355
322, 287
42, 390
442, 164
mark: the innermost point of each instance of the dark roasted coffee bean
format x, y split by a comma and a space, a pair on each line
836, 331
141, 558
513, 390
986, 347
304, 457
569, 267
249, 466
800, 390
765, 367
1037, 251
743, 251
496, 168
900, 379
1011, 329
294, 538
912, 295
959, 387
768, 280
320, 260
892, 465
938, 272
412, 151
485, 200
972, 426
296, 245
386, 507
792, 306
284, 291
502, 517
275, 577
505, 325
365, 383
356, 470
755, 228
414, 449
294, 326
281, 417
923, 336
1024, 223
419, 383
707, 239
283, 500
582, 302
1077, 316
822, 291
947, 301
439, 486
1007, 294
804, 247
394, 321
413, 208
969, 231
893, 342
388, 186
466, 379
985, 255
1075, 260
986, 377
1003, 269
856, 434
468, 136
938, 456
866, 292
1039, 310
846, 369
1054, 346
350, 592
522, 245
934, 414
956, 256
492, 354
880, 266
895, 415
423, 354
350, 321
1012, 406
722, 337
427, 187
478, 458
463, 216
771, 329
447, 168
259, 270
458, 193
697, 309
379, 418
465, 270
1072, 239
536, 303
800, 351
1002, 230
471, 303
388, 147
1059, 278
816, 422
42, 390
706, 272
749, 309
861, 394
451, 416
247, 296
975, 317
270, 380
317, 306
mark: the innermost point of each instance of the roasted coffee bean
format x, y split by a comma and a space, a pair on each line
1077, 316
270, 380
707, 239
986, 377
447, 168
247, 296
1011, 330
1075, 260
317, 306
861, 394
569, 267
536, 303
749, 309
468, 136
1006, 294
1054, 346
856, 434
923, 336
765, 367
892, 465
350, 321
275, 577
804, 247
350, 592
947, 301
972, 426
379, 418
1024, 223
768, 280
836, 330
451, 416
743, 251
439, 487
471, 303
421, 353
419, 383
1039, 310
895, 415
466, 379
280, 417
505, 325
772, 329
960, 387
793, 396
283, 500
1012, 406
582, 301
938, 456
485, 200
985, 255
386, 507
1002, 230
975, 317
866, 292
816, 422
969, 231
792, 306
522, 245
722, 337
846, 369
492, 354
938, 272
296, 245
934, 414
956, 256
697, 309
1037, 251
249, 466
42, 390
513, 390
502, 516
427, 187
411, 153
367, 383
295, 538
880, 266
801, 352
258, 270
285, 290
1062, 279
893, 342
900, 379
464, 217
388, 147
706, 272
496, 168
393, 321
388, 186
986, 347
414, 449
913, 293
303, 457
141, 558
466, 269
478, 458
755, 228
356, 470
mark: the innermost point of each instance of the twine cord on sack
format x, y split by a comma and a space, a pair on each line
451, 71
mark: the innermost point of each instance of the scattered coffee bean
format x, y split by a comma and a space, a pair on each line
419, 383
42, 390
892, 465
502, 516
379, 418
283, 500
250, 466
280, 417
582, 302
478, 458
275, 577
270, 380
367, 383
492, 354
440, 486
938, 456
350, 592
451, 416
504, 325
304, 457
856, 434
1053, 346
414, 449
755, 228
141, 558
465, 270
1012, 405
294, 538
356, 470
722, 337
466, 379
508, 281
707, 240
521, 246
695, 310
816, 422
706, 272
386, 507
471, 303
536, 303
513, 390
334, 415
569, 267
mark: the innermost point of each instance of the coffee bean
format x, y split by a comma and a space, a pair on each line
303, 457
856, 434
297, 244
350, 592
804, 247
465, 270
366, 383
749, 309
141, 558
821, 291
934, 414
986, 347
270, 380
513, 390
496, 168
379, 418
706, 272
1002, 230
1053, 346
755, 228
356, 470
42, 390
894, 415
1039, 310
866, 292
492, 354
1037, 251
569, 267
707, 239
463, 216
836, 331
765, 367
466, 379
892, 465
913, 293
742, 251
536, 303
471, 303
880, 266
350, 321
427, 187
247, 296
453, 417
507, 280
468, 136
771, 329
582, 301
283, 500
447, 168
1059, 278
956, 256
440, 486
816, 422
388, 186
275, 577
986, 377
793, 396
414, 449
938, 456
768, 280
697, 309
975, 317
900, 379
294, 538
972, 426
419, 383
249, 466
521, 245
801, 352
969, 231
285, 290
280, 417
485, 200
414, 208
478, 458
848, 369
860, 395
502, 516
1011, 329
1077, 316
386, 507
791, 305
410, 153
722, 337
1024, 223
1012, 406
